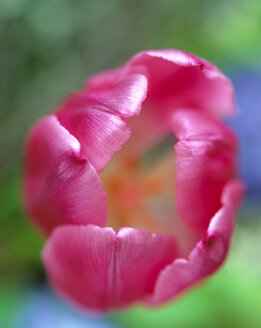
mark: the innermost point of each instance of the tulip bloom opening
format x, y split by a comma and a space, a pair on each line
100, 187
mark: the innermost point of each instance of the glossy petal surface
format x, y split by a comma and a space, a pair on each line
208, 254
122, 90
206, 161
96, 268
175, 79
100, 133
60, 186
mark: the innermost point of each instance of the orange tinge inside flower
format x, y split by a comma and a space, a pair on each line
140, 187
140, 190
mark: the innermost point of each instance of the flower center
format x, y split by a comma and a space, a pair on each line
140, 190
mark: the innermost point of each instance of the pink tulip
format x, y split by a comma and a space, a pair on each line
159, 249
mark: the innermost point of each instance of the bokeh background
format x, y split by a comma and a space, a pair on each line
47, 49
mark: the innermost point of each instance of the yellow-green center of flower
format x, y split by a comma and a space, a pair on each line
140, 196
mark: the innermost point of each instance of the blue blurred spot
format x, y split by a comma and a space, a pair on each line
43, 310
247, 124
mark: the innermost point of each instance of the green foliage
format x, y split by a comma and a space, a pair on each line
232, 298
20, 245
10, 301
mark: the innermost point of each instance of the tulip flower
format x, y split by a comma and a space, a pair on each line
127, 217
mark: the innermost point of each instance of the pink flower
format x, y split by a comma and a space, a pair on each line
159, 249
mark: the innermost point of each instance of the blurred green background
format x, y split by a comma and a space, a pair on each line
47, 49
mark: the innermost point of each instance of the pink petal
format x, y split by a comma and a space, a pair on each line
140, 257
206, 161
60, 186
79, 262
121, 90
175, 79
95, 268
208, 254
180, 79
189, 124
100, 133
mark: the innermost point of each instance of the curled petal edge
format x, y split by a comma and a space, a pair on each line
205, 162
219, 98
208, 254
100, 133
60, 186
